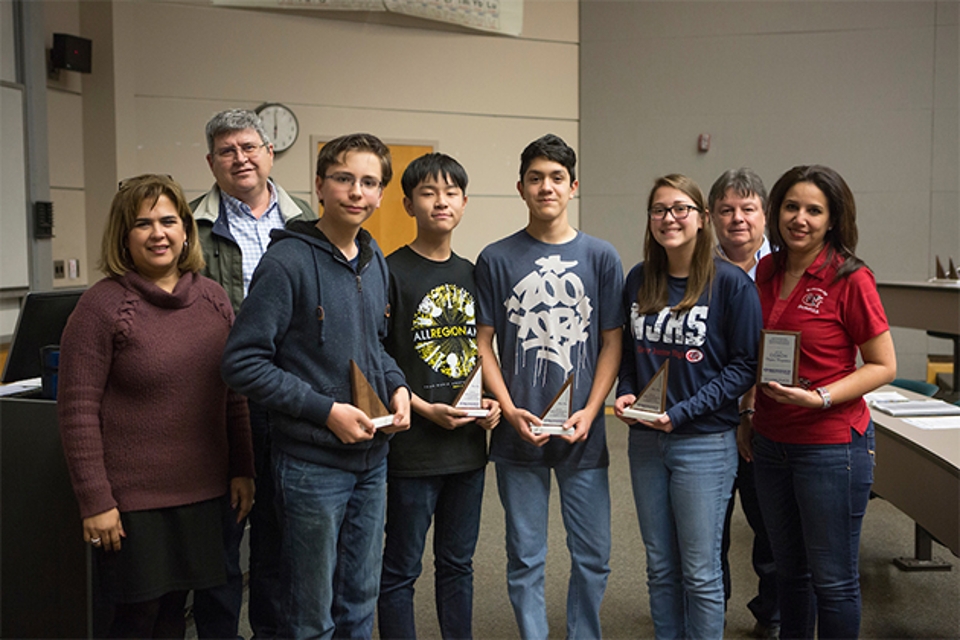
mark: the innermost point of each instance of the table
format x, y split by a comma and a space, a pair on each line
931, 306
918, 471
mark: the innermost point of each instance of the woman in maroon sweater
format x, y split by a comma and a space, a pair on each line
154, 440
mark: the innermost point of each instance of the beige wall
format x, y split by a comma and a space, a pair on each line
161, 69
869, 88
65, 143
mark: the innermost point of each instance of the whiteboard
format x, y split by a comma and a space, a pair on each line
14, 262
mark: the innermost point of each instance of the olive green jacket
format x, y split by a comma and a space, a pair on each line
221, 252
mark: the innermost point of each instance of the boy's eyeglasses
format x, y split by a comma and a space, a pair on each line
249, 150
347, 180
679, 211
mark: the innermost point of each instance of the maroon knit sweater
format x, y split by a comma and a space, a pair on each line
145, 418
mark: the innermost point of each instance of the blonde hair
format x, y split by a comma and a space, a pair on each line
654, 292
115, 259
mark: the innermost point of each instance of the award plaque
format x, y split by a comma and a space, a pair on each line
779, 357
367, 400
652, 401
557, 413
470, 398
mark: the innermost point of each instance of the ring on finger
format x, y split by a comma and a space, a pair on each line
95, 542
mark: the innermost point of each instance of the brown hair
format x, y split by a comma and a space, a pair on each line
114, 258
654, 292
841, 237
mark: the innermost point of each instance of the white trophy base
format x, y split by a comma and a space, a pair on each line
550, 430
476, 413
639, 414
382, 421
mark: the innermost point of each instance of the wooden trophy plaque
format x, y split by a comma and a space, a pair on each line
652, 401
557, 413
366, 399
470, 398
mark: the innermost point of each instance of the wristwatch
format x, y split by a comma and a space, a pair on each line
825, 396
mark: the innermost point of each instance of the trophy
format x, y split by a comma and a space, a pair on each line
470, 398
779, 357
556, 413
652, 401
367, 400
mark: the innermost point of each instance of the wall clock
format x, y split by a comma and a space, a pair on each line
280, 124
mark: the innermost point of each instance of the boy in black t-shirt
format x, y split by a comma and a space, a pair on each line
436, 469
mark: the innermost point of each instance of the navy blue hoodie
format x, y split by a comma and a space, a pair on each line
307, 314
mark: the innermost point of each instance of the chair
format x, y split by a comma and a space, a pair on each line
917, 386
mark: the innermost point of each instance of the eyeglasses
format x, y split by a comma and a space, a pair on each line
679, 211
249, 150
347, 180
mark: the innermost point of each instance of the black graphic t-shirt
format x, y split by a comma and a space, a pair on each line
433, 337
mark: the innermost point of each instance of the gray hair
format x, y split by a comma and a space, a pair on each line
743, 181
234, 120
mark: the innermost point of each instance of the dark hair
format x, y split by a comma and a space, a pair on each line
115, 260
743, 181
841, 237
333, 153
553, 148
654, 292
433, 165
234, 120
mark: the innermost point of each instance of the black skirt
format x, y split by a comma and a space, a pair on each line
171, 549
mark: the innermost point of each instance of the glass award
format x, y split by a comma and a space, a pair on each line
556, 413
470, 398
779, 357
366, 399
652, 401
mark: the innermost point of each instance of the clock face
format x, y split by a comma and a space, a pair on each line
280, 124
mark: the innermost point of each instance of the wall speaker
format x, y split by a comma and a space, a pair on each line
71, 53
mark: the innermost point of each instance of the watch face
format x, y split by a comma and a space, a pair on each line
280, 124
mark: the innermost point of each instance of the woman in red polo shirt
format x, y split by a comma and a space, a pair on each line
813, 445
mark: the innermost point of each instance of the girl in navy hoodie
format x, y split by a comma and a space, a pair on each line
702, 315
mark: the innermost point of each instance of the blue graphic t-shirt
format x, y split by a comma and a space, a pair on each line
548, 304
712, 349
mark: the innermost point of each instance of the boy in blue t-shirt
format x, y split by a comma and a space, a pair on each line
435, 470
550, 296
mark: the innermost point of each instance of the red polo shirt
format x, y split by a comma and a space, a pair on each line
834, 318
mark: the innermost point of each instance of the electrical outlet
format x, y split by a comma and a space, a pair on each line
59, 272
73, 268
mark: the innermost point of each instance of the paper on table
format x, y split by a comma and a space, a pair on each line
20, 386
937, 422
885, 396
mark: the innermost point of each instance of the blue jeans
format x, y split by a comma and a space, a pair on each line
454, 501
813, 499
216, 611
332, 523
765, 605
265, 537
681, 486
585, 505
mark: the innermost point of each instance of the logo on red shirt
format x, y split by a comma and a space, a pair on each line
812, 299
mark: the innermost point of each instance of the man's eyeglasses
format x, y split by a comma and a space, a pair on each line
679, 211
249, 150
347, 180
